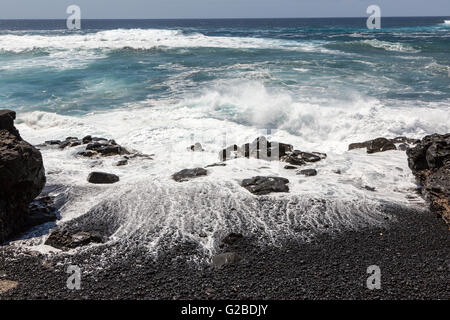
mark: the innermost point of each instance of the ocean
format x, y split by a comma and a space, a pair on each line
158, 86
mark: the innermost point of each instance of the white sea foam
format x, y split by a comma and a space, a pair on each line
145, 39
390, 46
152, 207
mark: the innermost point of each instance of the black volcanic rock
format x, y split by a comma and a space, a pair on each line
102, 178
380, 145
429, 160
260, 148
7, 118
22, 177
264, 185
95, 146
300, 158
186, 174
384, 144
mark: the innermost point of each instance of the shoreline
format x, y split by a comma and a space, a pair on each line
412, 253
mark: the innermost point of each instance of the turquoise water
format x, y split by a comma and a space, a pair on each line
113, 64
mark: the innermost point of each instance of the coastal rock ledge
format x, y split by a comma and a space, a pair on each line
429, 160
22, 177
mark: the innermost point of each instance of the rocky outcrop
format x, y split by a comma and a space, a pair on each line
265, 185
22, 177
300, 158
260, 148
429, 160
186, 174
95, 147
383, 144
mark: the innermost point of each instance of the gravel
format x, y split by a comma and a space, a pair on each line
413, 253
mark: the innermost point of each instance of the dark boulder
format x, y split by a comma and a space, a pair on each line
380, 145
308, 172
186, 174
260, 148
429, 160
384, 144
95, 146
22, 177
7, 118
87, 139
69, 142
300, 158
293, 159
87, 153
102, 178
429, 153
265, 185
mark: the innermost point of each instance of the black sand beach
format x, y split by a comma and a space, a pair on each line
413, 254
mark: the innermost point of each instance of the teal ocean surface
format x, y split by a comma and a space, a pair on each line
111, 64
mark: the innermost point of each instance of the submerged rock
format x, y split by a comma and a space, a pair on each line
95, 146
102, 178
220, 164
260, 148
383, 144
22, 177
429, 161
186, 174
121, 162
265, 185
308, 172
300, 158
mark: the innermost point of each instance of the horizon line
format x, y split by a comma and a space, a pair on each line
263, 18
